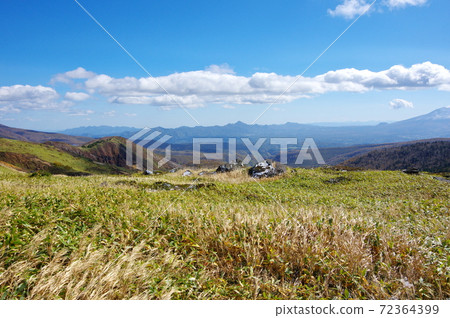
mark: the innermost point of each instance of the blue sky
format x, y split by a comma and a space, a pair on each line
222, 61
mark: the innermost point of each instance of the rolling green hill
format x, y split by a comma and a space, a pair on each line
101, 156
29, 157
108, 150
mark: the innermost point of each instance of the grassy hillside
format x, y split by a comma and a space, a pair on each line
32, 157
310, 234
6, 169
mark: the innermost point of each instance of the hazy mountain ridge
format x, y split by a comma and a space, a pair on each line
101, 131
39, 136
336, 144
435, 124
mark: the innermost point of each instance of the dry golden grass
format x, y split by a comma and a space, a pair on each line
373, 235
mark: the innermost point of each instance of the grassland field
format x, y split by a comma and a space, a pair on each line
309, 234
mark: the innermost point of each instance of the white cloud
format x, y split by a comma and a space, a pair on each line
9, 109
220, 69
76, 96
111, 113
424, 75
130, 114
68, 77
403, 3
197, 88
82, 113
350, 9
19, 97
400, 103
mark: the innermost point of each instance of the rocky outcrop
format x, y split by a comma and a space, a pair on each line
411, 171
227, 167
442, 179
266, 169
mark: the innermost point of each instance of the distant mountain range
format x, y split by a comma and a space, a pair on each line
101, 131
336, 144
433, 125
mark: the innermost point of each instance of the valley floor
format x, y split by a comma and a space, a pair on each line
310, 234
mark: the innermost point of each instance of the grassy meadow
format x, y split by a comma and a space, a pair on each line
310, 234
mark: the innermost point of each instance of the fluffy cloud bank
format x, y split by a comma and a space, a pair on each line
17, 97
400, 103
197, 88
220, 85
350, 9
